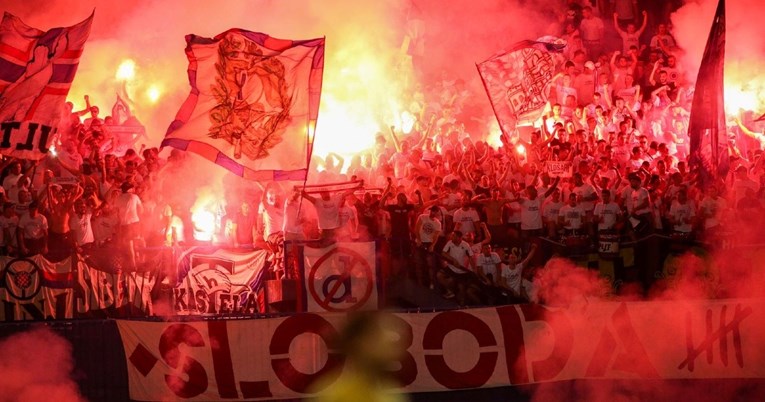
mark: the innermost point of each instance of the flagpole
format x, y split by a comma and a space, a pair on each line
496, 116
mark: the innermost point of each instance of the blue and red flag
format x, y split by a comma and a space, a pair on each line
36, 71
253, 104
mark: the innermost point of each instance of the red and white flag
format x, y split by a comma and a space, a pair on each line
253, 104
36, 70
518, 82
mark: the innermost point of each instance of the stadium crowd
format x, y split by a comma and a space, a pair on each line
457, 213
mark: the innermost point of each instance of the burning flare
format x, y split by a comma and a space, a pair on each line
126, 70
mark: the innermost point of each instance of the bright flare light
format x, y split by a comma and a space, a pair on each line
359, 100
736, 100
343, 128
520, 149
407, 122
744, 87
495, 134
153, 93
126, 70
204, 224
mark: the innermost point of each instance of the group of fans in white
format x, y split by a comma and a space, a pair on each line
454, 212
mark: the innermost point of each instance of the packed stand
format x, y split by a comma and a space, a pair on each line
455, 213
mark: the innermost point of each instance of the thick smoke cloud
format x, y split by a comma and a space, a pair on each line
745, 37
37, 365
744, 47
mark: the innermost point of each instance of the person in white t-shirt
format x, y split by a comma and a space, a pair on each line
80, 224
511, 275
105, 224
428, 228
712, 209
586, 193
592, 29
607, 213
292, 224
9, 222
682, 213
270, 213
33, 232
630, 36
487, 266
426, 231
531, 213
572, 216
349, 221
466, 218
550, 213
742, 183
637, 201
328, 211
129, 209
459, 278
14, 173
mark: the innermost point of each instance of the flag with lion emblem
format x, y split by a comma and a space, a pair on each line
253, 104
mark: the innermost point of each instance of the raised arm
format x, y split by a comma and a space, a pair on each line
427, 132
607, 95
642, 27
385, 193
545, 132
86, 110
552, 188
652, 76
618, 181
633, 62
339, 161
592, 180
76, 195
657, 91
486, 234
531, 254
307, 196
351, 191
613, 60
394, 137
745, 130
616, 25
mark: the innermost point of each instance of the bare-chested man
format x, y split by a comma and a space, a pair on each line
61, 201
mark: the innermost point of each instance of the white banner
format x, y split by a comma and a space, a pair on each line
341, 277
474, 348
561, 169
213, 281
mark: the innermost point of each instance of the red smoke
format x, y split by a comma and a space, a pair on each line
36, 366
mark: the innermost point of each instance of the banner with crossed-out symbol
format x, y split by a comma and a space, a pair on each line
342, 277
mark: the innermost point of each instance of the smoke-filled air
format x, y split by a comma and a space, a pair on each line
556, 199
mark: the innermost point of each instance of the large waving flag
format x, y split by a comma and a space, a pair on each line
253, 104
707, 129
518, 81
36, 70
